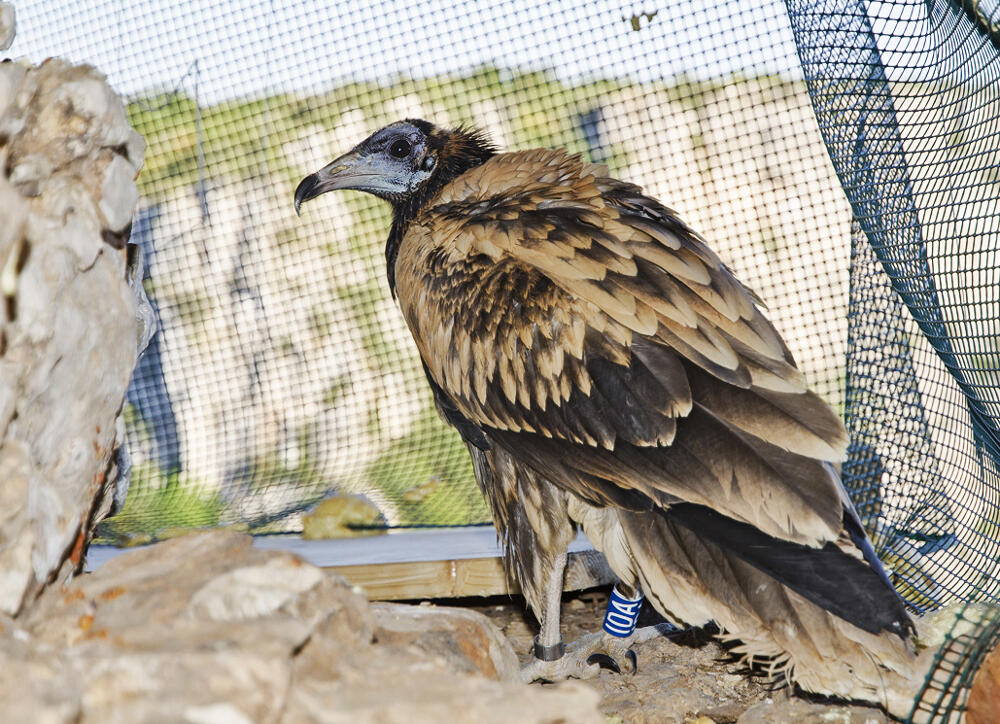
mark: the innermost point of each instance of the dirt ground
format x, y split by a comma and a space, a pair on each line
685, 678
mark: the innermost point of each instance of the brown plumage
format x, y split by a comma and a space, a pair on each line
606, 369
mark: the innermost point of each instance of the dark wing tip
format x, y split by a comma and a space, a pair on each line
848, 588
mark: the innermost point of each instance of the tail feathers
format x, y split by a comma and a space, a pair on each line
692, 578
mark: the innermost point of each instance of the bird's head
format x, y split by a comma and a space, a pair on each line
402, 162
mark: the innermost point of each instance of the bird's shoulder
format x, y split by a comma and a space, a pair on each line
526, 191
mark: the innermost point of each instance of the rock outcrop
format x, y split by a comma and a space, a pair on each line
206, 628
73, 316
6, 25
983, 704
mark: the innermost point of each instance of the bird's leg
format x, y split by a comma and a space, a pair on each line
584, 658
618, 632
549, 644
549, 661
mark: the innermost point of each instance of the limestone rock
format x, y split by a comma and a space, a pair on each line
32, 687
206, 628
118, 195
7, 25
424, 696
70, 325
390, 684
159, 633
984, 698
465, 640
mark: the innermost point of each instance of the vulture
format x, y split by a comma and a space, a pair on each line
606, 370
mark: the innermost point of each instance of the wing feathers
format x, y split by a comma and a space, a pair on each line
786, 496
681, 263
550, 302
836, 581
801, 423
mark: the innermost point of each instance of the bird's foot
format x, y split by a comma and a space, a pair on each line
585, 657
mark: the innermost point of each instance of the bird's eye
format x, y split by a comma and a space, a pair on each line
400, 148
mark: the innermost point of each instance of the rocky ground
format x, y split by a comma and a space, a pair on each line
684, 679
207, 629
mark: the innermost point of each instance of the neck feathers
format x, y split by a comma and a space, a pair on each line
457, 150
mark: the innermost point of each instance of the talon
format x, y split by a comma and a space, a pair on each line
585, 657
604, 661
634, 659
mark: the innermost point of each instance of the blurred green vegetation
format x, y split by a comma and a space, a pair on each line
157, 504
429, 472
154, 510
239, 138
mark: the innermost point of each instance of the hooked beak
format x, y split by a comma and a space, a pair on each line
350, 171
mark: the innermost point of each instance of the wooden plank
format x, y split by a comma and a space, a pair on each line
397, 546
419, 564
462, 577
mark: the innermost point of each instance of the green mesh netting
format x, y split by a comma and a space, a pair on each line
282, 372
907, 97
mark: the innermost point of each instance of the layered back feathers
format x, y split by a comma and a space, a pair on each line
547, 298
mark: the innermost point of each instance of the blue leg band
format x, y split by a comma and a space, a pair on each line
622, 613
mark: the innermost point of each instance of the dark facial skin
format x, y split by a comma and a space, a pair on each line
392, 164
406, 163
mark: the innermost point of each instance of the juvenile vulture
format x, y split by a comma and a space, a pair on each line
606, 369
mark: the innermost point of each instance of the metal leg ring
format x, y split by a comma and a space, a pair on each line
553, 652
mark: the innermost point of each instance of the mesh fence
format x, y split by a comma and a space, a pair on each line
908, 101
283, 373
